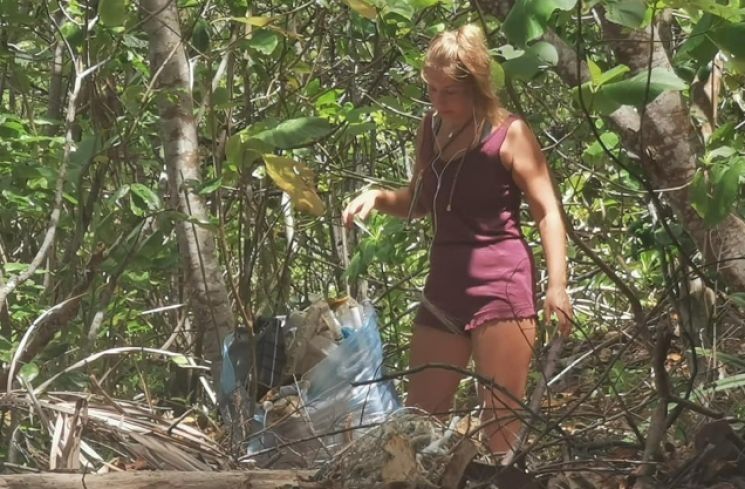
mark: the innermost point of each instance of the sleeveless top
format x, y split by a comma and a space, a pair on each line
481, 268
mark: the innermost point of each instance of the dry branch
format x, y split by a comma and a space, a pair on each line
258, 479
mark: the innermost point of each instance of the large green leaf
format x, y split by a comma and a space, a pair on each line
731, 12
634, 90
264, 41
295, 133
698, 193
730, 38
200, 36
527, 19
535, 58
112, 13
699, 45
628, 13
726, 186
144, 200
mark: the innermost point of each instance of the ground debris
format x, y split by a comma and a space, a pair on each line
114, 435
407, 450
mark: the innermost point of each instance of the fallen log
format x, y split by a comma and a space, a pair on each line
255, 479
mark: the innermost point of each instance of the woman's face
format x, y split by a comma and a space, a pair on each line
452, 99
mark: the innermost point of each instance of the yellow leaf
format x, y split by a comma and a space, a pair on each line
363, 8
595, 71
297, 180
401, 466
257, 21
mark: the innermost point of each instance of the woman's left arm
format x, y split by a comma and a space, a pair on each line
522, 155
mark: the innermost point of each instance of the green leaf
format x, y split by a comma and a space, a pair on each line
210, 186
295, 133
112, 12
363, 8
220, 97
146, 195
628, 13
200, 36
527, 19
633, 91
85, 150
738, 298
264, 41
729, 37
699, 194
595, 72
699, 45
612, 74
254, 21
731, 11
726, 185
497, 75
535, 58
180, 360
29, 372
422, 4
731, 382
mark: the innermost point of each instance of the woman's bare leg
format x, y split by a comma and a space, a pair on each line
502, 352
433, 389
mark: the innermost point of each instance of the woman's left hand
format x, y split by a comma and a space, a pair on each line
557, 302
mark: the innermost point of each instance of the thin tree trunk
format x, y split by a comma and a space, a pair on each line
209, 298
56, 82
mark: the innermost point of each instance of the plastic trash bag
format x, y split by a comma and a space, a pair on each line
332, 402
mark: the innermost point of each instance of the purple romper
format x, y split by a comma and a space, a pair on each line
481, 268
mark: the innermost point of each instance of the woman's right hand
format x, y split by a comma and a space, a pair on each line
360, 207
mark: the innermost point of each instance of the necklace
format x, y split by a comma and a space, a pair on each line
449, 137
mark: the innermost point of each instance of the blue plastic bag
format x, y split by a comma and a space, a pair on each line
332, 401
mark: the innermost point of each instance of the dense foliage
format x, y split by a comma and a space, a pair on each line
298, 106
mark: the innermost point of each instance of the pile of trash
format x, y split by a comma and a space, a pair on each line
316, 385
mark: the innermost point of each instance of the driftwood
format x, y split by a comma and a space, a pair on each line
256, 479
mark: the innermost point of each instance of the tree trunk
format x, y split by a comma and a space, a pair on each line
213, 315
56, 82
255, 479
669, 148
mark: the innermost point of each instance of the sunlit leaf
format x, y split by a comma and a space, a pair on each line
297, 180
295, 133
112, 13
29, 372
254, 21
363, 8
595, 71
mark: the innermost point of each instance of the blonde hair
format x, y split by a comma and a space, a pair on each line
462, 55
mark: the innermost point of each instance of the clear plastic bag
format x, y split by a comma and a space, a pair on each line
332, 402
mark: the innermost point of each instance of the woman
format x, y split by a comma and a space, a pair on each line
474, 160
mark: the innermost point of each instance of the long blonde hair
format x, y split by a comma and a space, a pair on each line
462, 55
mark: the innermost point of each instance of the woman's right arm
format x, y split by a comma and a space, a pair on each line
393, 202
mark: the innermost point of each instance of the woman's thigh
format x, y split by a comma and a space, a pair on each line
433, 389
502, 351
